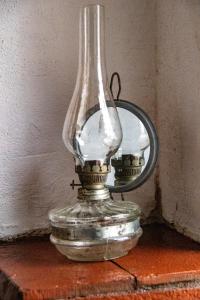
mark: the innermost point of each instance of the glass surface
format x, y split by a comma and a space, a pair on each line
135, 137
110, 249
135, 142
91, 91
96, 231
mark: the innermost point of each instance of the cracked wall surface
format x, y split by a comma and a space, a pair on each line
39, 54
178, 100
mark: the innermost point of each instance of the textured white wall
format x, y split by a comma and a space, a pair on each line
38, 64
178, 96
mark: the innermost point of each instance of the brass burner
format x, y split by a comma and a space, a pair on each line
93, 174
127, 168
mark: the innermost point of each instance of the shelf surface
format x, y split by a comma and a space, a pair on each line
165, 265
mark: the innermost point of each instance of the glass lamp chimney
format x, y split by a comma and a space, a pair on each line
102, 139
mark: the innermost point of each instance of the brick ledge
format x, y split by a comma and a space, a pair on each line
164, 264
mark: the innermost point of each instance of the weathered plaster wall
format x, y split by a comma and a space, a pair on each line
178, 97
38, 64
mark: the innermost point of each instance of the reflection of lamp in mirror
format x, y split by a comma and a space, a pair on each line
96, 227
133, 153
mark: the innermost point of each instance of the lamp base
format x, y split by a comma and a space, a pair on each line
96, 230
105, 250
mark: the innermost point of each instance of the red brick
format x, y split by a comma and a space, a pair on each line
34, 270
41, 272
163, 256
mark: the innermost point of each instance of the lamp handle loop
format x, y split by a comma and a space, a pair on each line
115, 74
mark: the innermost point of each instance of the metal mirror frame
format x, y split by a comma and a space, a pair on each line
154, 147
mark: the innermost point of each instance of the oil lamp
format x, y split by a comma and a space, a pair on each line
95, 227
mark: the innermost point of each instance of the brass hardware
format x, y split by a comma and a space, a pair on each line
73, 184
93, 194
93, 174
127, 168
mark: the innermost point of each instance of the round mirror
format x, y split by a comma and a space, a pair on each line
136, 157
